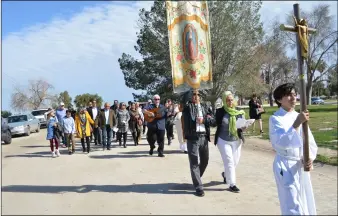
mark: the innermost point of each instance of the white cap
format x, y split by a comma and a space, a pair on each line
62, 104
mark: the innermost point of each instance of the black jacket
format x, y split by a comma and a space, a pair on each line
189, 124
220, 112
90, 112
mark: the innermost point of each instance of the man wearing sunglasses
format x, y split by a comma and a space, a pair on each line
156, 128
197, 120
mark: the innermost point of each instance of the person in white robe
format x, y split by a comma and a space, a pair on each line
178, 126
285, 129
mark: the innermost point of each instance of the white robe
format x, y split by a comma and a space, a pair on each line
178, 125
294, 185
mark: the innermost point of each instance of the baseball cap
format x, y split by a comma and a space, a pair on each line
62, 104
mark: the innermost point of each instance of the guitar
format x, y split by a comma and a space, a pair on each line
148, 117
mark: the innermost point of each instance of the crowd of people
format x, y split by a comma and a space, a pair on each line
193, 121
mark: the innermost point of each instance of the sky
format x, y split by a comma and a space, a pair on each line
75, 45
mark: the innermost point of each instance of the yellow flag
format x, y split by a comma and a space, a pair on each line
189, 44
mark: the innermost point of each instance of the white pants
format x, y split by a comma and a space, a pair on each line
230, 152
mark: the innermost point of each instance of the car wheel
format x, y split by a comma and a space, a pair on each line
38, 129
28, 131
8, 139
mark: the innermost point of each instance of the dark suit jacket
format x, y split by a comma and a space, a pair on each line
189, 124
101, 119
90, 112
220, 112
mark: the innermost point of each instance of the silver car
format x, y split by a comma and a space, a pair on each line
23, 124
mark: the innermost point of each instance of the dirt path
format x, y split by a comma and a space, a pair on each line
129, 181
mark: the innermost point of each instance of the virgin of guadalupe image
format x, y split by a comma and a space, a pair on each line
190, 40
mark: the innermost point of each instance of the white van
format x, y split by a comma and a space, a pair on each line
40, 115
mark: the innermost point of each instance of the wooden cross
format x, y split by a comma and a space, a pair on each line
302, 32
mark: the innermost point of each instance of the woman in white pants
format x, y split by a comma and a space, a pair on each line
228, 138
178, 125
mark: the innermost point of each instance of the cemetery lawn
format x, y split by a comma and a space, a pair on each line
323, 124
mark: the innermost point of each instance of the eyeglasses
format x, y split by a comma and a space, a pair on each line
123, 105
196, 94
156, 99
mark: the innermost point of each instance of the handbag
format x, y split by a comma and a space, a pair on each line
139, 122
260, 110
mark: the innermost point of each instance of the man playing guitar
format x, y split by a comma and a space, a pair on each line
155, 114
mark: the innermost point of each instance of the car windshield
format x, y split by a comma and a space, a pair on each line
315, 98
39, 112
19, 118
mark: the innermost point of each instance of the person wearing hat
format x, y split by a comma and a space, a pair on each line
60, 114
197, 120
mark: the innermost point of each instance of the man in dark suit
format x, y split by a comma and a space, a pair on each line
106, 120
93, 111
156, 128
197, 121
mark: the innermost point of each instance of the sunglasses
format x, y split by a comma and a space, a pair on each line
156, 99
196, 94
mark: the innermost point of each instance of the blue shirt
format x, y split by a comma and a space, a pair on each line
68, 125
60, 114
157, 123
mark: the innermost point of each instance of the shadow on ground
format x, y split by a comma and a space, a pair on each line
162, 188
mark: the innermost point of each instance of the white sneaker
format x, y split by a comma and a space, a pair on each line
58, 153
53, 154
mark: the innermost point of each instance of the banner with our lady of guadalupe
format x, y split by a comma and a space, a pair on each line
189, 43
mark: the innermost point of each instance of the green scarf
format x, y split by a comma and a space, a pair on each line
233, 113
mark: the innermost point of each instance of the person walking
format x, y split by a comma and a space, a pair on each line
179, 128
135, 123
255, 107
51, 133
68, 125
60, 113
106, 121
82, 124
197, 123
294, 185
228, 138
123, 118
94, 111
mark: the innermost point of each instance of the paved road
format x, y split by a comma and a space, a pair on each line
128, 181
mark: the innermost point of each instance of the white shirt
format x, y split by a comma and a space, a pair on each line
140, 113
106, 113
287, 141
199, 127
94, 110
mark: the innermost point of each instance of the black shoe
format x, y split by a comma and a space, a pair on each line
234, 189
83, 150
161, 155
224, 179
200, 193
70, 153
108, 149
73, 151
185, 152
151, 151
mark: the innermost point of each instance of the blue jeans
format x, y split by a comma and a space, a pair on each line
106, 136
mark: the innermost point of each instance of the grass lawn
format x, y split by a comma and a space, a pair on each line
321, 117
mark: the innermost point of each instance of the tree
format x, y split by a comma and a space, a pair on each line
5, 114
35, 96
66, 99
333, 81
277, 68
322, 45
236, 31
84, 99
230, 51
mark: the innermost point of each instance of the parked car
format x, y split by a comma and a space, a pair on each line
6, 134
40, 115
317, 100
23, 124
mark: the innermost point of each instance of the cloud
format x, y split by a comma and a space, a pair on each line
78, 54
